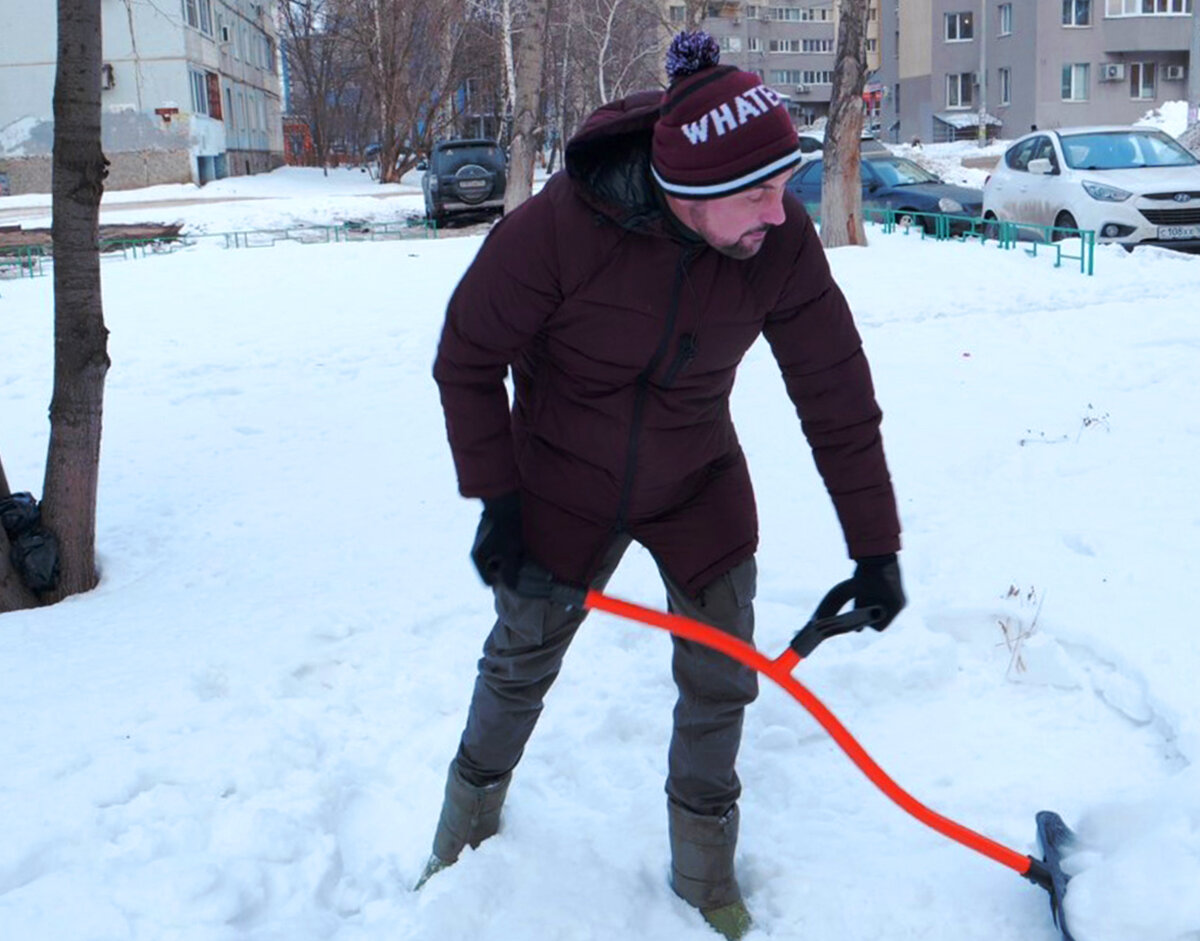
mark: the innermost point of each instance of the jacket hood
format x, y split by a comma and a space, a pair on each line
609, 159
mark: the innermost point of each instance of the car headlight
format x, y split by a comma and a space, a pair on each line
1106, 193
946, 204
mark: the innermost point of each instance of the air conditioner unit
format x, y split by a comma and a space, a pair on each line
1112, 71
737, 21
802, 89
1174, 73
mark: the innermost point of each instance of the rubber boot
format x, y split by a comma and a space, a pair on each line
470, 814
702, 875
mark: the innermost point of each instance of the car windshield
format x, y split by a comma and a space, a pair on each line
896, 171
1124, 150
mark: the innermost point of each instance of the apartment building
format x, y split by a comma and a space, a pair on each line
791, 44
190, 91
1013, 64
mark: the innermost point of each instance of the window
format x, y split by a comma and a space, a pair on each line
791, 14
677, 13
1077, 12
755, 44
1148, 7
731, 44
960, 27
1004, 77
818, 77
815, 14
1006, 19
1075, 81
872, 45
198, 15
817, 45
783, 45
199, 86
959, 88
752, 12
1141, 80
787, 77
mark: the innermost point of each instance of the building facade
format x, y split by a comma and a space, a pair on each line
791, 44
1016, 64
191, 91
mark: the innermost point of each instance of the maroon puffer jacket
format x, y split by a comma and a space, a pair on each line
624, 334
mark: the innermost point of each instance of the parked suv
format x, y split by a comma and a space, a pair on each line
464, 176
1129, 185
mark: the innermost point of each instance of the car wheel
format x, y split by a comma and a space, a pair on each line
909, 218
1064, 220
991, 227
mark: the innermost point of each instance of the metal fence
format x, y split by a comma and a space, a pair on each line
22, 261
30, 260
1006, 235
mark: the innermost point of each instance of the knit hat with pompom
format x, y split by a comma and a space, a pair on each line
720, 130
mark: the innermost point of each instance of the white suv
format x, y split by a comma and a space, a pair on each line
1130, 185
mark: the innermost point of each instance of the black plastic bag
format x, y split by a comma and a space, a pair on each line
34, 552
19, 513
34, 558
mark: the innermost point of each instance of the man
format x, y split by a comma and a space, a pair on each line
622, 297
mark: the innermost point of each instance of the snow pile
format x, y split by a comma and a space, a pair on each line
242, 733
1171, 117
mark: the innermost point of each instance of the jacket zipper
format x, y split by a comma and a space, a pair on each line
642, 383
687, 353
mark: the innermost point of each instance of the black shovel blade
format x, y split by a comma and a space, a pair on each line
1056, 839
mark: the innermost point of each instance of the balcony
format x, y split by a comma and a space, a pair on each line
1146, 34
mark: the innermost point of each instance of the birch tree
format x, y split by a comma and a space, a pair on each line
841, 182
316, 53
529, 21
410, 67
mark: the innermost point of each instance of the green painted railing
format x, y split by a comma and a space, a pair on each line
25, 260
1007, 235
414, 227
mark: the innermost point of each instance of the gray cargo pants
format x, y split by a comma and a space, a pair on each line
524, 652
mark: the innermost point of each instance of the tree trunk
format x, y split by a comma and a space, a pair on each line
80, 337
528, 62
841, 183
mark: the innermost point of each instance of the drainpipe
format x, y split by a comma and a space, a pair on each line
983, 9
1194, 68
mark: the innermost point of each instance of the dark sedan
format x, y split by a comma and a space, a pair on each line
889, 182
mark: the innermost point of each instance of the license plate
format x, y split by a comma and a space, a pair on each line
1179, 231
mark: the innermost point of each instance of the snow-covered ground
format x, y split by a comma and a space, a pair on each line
242, 733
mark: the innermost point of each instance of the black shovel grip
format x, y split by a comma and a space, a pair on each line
827, 622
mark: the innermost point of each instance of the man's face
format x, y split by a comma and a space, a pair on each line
735, 225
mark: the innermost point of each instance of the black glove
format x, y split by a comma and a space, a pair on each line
877, 581
499, 547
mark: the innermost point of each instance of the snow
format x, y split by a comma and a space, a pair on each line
242, 733
1171, 117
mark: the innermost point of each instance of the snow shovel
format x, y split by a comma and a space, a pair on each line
1054, 835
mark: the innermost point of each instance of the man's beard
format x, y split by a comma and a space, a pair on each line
741, 249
